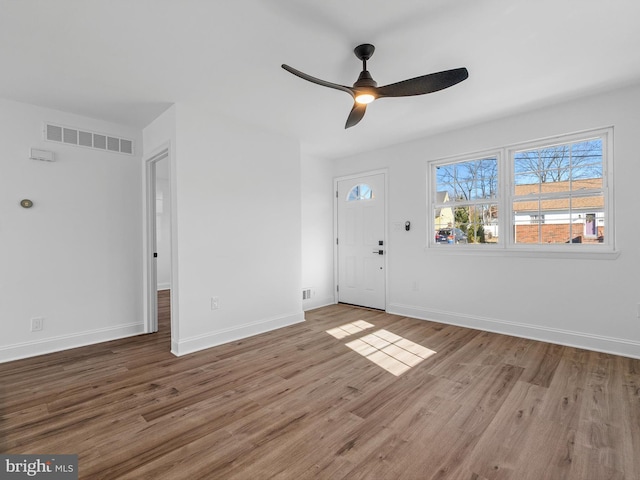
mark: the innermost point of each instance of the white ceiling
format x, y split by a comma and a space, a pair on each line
127, 60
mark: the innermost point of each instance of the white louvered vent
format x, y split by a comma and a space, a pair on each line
54, 133
70, 135
84, 138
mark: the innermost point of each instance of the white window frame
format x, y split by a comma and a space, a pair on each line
506, 196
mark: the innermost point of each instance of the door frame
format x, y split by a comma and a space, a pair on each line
150, 287
385, 174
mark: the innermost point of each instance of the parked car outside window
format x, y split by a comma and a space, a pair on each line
450, 235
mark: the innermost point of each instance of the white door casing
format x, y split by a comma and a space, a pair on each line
361, 241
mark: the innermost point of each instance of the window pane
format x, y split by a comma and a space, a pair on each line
483, 224
444, 181
525, 184
590, 213
562, 220
555, 187
469, 224
560, 229
551, 206
586, 153
468, 180
443, 217
523, 210
560, 163
526, 229
588, 176
561, 178
526, 163
486, 185
360, 192
459, 216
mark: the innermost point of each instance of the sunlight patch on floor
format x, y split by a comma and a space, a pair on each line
349, 329
392, 352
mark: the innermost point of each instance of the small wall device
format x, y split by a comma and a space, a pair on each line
42, 155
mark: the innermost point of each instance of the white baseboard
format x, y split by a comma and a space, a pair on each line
208, 340
65, 342
598, 343
313, 303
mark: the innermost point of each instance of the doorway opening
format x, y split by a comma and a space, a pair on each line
159, 304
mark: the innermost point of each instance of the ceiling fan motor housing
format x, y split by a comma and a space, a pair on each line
365, 80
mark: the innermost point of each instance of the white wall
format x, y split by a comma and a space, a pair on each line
74, 258
591, 303
317, 231
238, 210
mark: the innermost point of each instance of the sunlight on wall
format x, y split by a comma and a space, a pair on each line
392, 352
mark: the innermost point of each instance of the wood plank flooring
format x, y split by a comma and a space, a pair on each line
298, 403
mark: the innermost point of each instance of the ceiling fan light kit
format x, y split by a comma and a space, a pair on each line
366, 89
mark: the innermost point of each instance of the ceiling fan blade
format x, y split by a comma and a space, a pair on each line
318, 81
357, 112
424, 84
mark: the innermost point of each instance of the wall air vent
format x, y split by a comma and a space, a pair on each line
85, 138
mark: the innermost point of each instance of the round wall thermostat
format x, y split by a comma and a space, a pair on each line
26, 203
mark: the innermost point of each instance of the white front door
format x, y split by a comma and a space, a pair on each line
361, 241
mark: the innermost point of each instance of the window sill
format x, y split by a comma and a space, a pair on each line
497, 251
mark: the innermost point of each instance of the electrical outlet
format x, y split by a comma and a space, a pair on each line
37, 324
215, 303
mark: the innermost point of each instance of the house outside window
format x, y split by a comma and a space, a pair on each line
591, 228
548, 195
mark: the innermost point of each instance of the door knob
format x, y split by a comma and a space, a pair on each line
379, 252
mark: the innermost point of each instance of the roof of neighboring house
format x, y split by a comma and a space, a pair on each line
589, 202
442, 197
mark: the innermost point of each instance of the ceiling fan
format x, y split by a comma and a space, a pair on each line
366, 89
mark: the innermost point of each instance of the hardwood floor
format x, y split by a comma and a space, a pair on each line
298, 403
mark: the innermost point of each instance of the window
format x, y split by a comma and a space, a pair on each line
559, 183
360, 192
465, 208
540, 196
